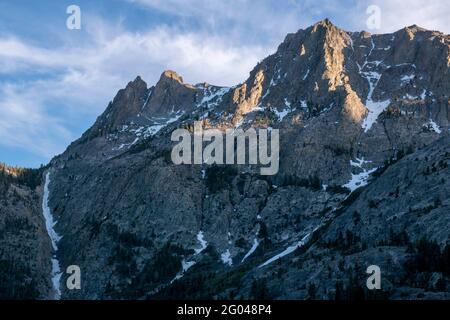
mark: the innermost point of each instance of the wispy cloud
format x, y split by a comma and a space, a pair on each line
25, 123
287, 16
396, 14
37, 110
243, 20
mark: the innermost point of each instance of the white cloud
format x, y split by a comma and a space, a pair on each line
83, 79
396, 14
24, 123
290, 15
198, 56
259, 21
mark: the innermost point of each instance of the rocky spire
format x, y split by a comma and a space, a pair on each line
126, 104
170, 95
170, 75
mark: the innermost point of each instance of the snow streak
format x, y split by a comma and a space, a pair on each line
54, 238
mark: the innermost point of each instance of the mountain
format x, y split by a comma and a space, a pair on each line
363, 180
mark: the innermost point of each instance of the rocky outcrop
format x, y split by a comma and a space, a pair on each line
170, 95
24, 246
386, 225
126, 105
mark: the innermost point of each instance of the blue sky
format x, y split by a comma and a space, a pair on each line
54, 82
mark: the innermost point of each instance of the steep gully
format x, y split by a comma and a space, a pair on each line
54, 238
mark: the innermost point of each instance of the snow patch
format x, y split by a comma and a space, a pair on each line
213, 98
185, 266
275, 78
255, 109
375, 108
283, 113
423, 95
146, 100
145, 131
287, 251
252, 249
404, 64
303, 104
407, 78
306, 75
239, 123
203, 243
435, 127
359, 180
351, 42
359, 162
287, 103
154, 129
226, 258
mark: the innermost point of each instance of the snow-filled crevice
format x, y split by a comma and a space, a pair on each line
146, 99
287, 251
252, 249
375, 108
54, 238
187, 264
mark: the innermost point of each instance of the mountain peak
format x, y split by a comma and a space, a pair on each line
415, 28
138, 79
170, 94
324, 22
136, 84
313, 69
171, 75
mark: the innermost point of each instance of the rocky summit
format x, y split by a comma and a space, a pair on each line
363, 180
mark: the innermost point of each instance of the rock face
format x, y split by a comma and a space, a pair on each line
364, 152
24, 246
